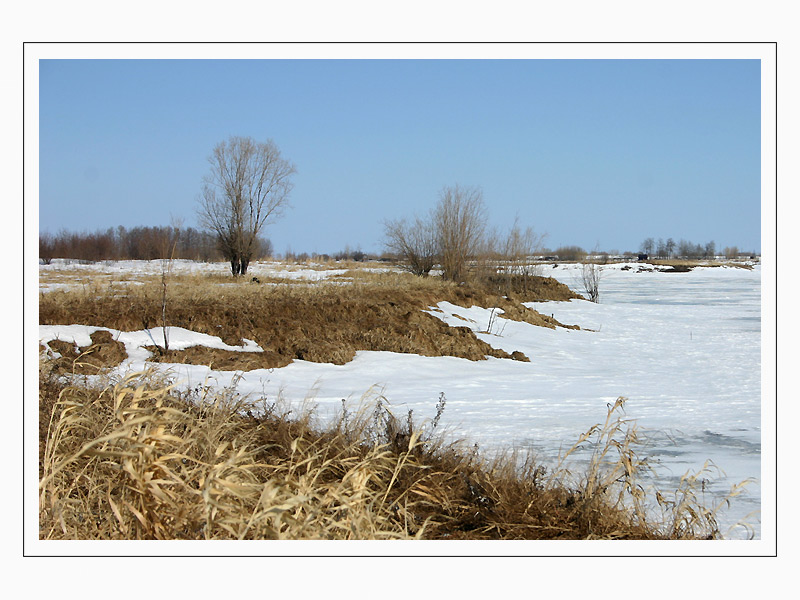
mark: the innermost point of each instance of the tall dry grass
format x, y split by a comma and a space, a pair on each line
135, 459
615, 471
134, 462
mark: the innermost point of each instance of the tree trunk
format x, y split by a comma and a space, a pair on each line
239, 266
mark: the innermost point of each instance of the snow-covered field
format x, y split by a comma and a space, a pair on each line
684, 348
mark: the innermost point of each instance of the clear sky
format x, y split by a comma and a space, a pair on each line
596, 153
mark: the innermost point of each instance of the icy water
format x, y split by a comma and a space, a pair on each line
686, 351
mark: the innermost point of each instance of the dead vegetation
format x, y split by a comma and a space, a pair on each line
136, 460
683, 265
321, 322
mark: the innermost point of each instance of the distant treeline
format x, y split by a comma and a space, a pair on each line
151, 243
137, 243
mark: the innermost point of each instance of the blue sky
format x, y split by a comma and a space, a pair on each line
596, 153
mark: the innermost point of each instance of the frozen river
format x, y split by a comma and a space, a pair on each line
684, 348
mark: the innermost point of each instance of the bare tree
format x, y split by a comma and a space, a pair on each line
459, 221
661, 249
414, 244
248, 185
47, 247
265, 248
670, 247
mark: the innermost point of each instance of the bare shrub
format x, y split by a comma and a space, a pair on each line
414, 244
455, 235
459, 221
517, 251
590, 280
571, 253
169, 246
731, 252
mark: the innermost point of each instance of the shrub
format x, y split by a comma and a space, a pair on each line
414, 245
571, 253
459, 222
590, 279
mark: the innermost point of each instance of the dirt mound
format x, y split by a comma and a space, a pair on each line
221, 360
104, 351
530, 288
677, 269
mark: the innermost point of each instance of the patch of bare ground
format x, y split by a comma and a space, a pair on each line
103, 352
323, 322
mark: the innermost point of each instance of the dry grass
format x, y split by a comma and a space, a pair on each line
135, 463
135, 460
323, 322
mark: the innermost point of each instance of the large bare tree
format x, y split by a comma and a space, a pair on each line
248, 185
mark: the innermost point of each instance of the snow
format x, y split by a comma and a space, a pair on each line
311, 271
684, 348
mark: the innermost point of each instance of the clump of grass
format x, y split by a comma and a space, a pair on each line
138, 460
104, 352
614, 473
135, 462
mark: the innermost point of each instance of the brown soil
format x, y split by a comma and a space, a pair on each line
103, 352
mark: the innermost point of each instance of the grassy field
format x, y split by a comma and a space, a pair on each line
325, 321
134, 459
